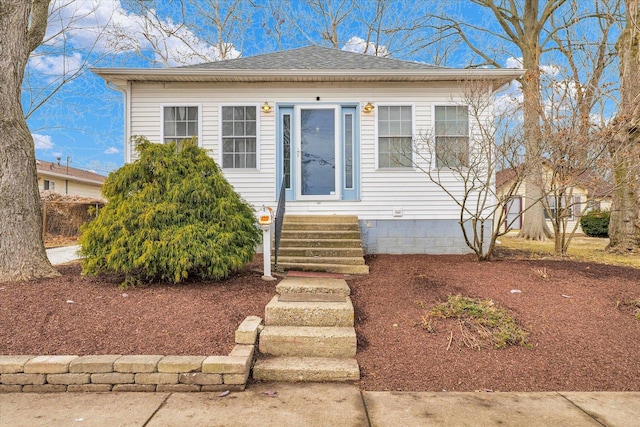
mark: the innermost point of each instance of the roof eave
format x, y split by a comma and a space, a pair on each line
497, 76
69, 177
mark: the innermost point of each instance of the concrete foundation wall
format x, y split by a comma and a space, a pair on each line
414, 236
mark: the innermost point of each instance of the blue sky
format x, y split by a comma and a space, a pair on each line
82, 120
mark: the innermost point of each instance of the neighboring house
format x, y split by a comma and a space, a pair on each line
64, 179
589, 193
329, 123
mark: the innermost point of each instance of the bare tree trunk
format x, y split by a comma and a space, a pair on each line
624, 228
534, 226
22, 254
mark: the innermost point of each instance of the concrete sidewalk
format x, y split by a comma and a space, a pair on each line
313, 404
63, 254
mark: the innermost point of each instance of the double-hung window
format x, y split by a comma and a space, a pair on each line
239, 142
452, 136
180, 123
557, 214
395, 135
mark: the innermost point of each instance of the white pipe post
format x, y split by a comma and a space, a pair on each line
266, 252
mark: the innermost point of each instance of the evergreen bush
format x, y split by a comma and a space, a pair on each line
595, 223
171, 215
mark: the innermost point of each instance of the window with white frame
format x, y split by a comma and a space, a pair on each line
573, 211
395, 135
180, 123
239, 137
452, 136
49, 185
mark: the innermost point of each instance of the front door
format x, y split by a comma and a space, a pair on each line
317, 157
513, 216
318, 152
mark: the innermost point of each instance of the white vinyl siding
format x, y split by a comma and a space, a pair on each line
381, 190
452, 136
395, 135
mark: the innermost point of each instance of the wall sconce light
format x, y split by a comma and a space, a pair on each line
266, 107
368, 108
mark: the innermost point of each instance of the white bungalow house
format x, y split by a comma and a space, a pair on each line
588, 192
328, 123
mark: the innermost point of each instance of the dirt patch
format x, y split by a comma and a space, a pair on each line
583, 335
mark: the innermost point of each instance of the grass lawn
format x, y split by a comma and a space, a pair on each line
582, 248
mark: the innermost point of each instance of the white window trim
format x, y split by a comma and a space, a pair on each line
434, 164
199, 106
413, 134
258, 131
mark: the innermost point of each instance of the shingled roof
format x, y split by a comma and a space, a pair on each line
313, 58
55, 169
308, 64
589, 180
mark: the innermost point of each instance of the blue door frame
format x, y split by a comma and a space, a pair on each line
287, 145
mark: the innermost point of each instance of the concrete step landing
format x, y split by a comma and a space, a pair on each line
334, 259
329, 243
310, 285
314, 369
309, 313
308, 333
301, 264
308, 341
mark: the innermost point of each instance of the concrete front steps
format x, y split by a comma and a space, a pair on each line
308, 333
329, 243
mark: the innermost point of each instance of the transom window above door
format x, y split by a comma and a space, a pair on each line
239, 137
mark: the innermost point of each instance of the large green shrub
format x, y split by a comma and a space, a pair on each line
171, 215
595, 223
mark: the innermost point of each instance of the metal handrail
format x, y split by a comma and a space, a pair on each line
279, 220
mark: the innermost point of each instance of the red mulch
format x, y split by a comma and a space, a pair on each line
585, 340
80, 315
584, 337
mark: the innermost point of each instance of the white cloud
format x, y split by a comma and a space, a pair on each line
509, 99
42, 142
111, 150
103, 26
174, 44
514, 63
358, 45
54, 67
551, 70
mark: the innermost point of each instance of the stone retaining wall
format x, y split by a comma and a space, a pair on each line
101, 373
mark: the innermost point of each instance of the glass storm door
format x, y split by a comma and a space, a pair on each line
317, 159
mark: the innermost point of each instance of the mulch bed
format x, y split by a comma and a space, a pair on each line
80, 315
583, 333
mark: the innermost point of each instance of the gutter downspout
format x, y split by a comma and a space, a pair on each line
127, 120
